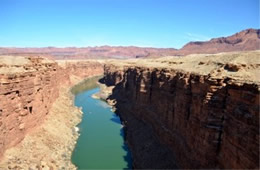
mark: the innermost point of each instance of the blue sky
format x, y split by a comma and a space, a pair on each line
153, 23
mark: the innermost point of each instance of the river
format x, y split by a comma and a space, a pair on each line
101, 142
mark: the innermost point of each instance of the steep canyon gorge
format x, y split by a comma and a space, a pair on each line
196, 111
129, 84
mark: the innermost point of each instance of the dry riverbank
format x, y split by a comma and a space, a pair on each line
50, 145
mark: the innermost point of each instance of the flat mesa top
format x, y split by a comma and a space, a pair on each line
16, 64
240, 66
13, 60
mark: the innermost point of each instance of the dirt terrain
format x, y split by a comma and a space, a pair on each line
240, 66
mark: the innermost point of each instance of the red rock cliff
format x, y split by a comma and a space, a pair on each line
206, 121
28, 87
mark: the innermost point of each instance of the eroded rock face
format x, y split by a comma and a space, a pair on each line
28, 90
206, 122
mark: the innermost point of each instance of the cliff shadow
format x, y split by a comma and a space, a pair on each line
116, 119
86, 84
127, 157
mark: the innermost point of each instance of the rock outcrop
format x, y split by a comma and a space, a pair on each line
205, 113
28, 88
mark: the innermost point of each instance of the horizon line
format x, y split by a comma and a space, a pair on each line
138, 46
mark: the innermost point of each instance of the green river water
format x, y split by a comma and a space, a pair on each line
101, 142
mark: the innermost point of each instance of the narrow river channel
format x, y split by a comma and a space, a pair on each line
101, 142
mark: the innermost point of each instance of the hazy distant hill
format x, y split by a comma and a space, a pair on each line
243, 41
92, 52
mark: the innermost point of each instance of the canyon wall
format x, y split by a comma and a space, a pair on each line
206, 121
28, 87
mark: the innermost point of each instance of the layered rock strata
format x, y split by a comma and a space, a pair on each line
50, 144
28, 88
203, 109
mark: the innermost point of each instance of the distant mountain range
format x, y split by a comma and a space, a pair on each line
245, 40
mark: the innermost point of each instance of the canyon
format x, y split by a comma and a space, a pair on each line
198, 111
245, 40
29, 86
189, 108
